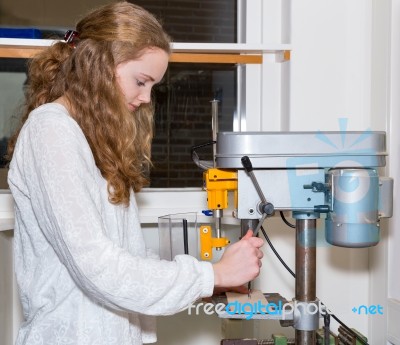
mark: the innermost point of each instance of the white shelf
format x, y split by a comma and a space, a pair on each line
28, 42
243, 48
178, 47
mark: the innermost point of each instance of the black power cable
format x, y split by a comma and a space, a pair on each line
276, 253
205, 165
294, 276
286, 221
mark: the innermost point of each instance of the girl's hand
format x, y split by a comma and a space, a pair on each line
240, 262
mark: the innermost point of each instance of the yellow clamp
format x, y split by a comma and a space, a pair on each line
207, 243
218, 182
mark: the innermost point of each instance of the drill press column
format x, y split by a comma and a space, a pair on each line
306, 265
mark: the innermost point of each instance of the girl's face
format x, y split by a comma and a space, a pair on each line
137, 77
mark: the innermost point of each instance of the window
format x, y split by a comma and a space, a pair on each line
12, 80
183, 119
183, 100
207, 21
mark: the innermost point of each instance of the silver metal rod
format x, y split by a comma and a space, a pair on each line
247, 224
218, 214
214, 124
305, 271
259, 225
305, 337
257, 186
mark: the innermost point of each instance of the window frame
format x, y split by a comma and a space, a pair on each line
262, 92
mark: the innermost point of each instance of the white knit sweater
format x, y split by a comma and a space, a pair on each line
82, 268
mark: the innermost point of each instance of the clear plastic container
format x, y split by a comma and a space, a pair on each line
178, 234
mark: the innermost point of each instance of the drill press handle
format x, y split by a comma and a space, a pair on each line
265, 207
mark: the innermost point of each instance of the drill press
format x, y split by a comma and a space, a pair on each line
333, 175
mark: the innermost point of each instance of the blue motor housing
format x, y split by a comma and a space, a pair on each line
353, 200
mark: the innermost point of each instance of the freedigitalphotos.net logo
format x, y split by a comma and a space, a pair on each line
285, 311
374, 309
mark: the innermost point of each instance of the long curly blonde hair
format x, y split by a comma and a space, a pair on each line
85, 76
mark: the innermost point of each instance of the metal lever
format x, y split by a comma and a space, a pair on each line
266, 208
260, 223
249, 169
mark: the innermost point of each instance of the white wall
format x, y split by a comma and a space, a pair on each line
394, 169
339, 68
330, 78
330, 65
337, 79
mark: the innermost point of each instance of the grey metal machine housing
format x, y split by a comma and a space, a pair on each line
331, 173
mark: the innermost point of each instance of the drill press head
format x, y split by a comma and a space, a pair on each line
299, 172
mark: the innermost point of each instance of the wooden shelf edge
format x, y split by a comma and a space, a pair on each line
19, 51
30, 51
216, 58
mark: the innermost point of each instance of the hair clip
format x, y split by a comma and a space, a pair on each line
71, 36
